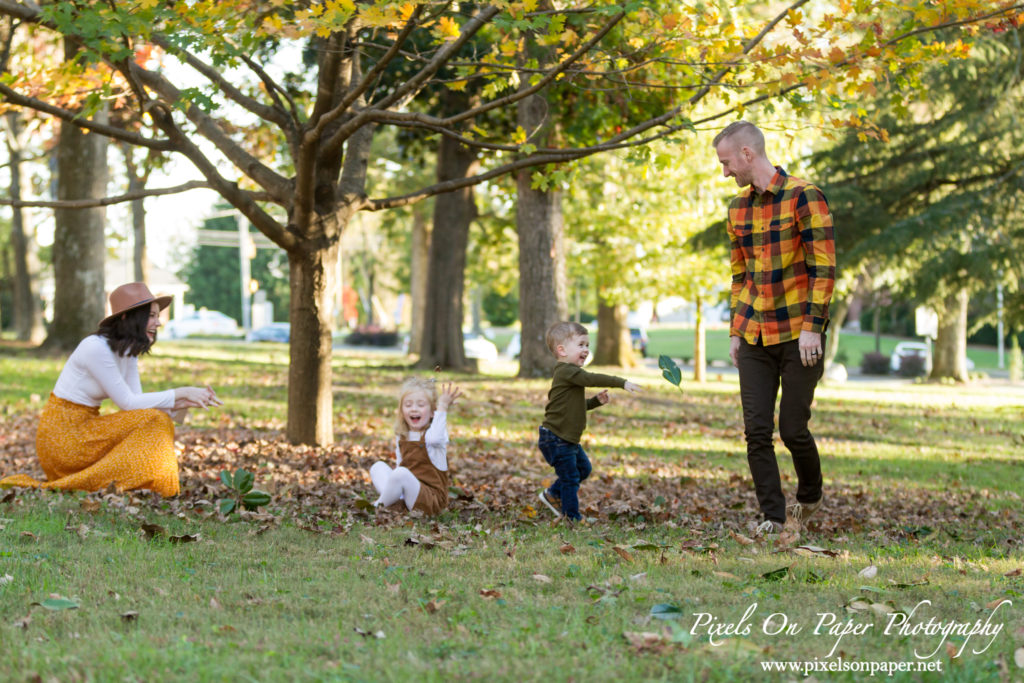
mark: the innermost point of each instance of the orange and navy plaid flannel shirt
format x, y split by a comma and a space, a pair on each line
783, 261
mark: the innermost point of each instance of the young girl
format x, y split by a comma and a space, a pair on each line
420, 477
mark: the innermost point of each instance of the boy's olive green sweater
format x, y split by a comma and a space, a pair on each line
566, 411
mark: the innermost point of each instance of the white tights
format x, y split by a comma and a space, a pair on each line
394, 485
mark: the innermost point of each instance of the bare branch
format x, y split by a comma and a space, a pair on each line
16, 98
275, 91
417, 118
414, 84
355, 93
106, 201
209, 128
272, 114
244, 201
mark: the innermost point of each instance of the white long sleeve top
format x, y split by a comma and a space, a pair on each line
94, 372
436, 440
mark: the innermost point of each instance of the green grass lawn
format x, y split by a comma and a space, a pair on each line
678, 341
922, 526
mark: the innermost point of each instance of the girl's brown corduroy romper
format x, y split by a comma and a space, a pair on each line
433, 497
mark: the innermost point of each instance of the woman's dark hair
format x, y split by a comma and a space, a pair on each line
126, 333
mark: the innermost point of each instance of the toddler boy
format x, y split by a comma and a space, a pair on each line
565, 415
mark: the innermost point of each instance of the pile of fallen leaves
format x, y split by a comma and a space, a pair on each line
326, 489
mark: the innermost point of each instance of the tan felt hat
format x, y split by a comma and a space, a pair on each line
131, 296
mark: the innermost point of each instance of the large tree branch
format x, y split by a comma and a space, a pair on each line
417, 82
328, 82
333, 147
421, 119
276, 185
244, 201
268, 113
107, 201
16, 98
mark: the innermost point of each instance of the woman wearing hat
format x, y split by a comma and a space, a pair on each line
133, 448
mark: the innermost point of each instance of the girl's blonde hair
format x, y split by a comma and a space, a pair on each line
411, 386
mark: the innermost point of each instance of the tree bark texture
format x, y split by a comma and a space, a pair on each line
78, 245
137, 183
700, 355
420, 258
28, 315
312, 279
614, 347
446, 272
838, 311
542, 282
949, 360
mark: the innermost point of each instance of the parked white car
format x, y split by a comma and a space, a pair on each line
201, 323
904, 349
478, 347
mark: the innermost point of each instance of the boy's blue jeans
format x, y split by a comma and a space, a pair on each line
571, 467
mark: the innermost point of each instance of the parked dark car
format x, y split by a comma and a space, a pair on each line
274, 332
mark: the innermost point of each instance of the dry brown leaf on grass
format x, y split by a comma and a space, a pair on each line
740, 538
814, 551
433, 606
649, 641
567, 549
623, 553
490, 593
541, 578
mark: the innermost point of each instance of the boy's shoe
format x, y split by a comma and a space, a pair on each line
801, 512
550, 501
768, 528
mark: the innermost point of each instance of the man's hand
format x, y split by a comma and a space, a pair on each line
629, 386
810, 348
734, 350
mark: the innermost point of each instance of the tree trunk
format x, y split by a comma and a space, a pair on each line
420, 258
453, 213
137, 183
312, 276
949, 360
78, 245
700, 356
838, 310
614, 346
542, 286
28, 315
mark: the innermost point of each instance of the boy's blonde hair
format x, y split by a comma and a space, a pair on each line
411, 386
561, 332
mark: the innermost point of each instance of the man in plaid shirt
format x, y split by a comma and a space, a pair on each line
783, 271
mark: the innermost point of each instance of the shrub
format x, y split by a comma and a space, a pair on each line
912, 365
501, 310
874, 364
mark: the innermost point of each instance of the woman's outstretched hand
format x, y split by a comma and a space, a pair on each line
196, 397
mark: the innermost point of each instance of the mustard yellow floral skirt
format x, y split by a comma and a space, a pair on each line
80, 449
